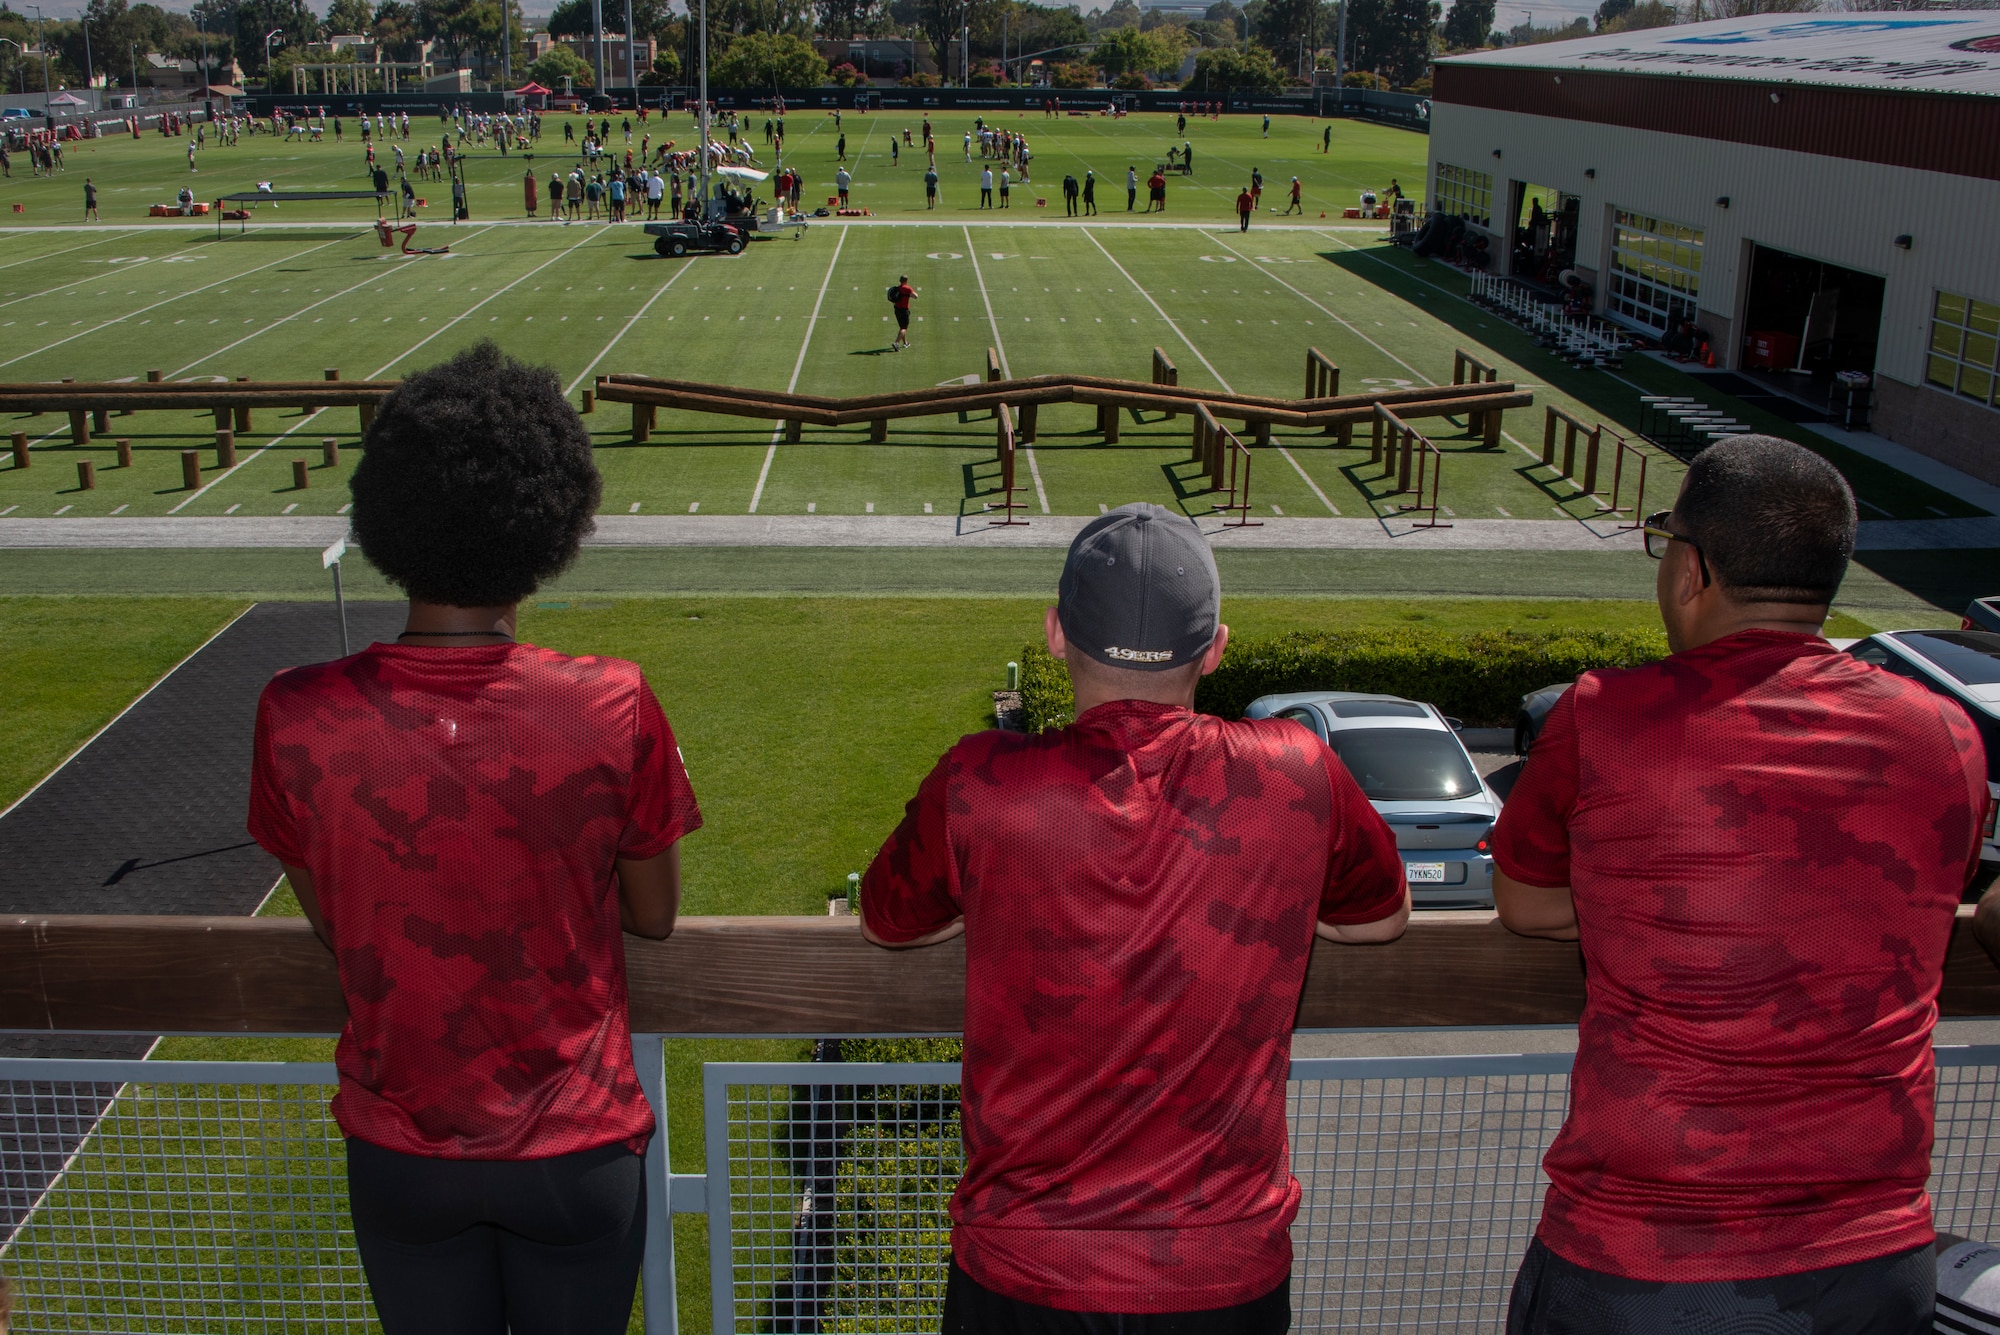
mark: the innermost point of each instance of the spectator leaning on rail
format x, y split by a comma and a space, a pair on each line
468, 821
1138, 893
1760, 843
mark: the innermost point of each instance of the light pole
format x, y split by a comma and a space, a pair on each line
631, 56
275, 32
89, 75
42, 40
597, 42
132, 49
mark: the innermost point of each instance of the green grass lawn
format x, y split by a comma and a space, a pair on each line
1233, 311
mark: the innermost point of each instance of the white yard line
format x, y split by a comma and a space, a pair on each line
471, 310
171, 300
637, 316
51, 291
1000, 347
283, 319
307, 420
52, 254
1304, 477
812, 323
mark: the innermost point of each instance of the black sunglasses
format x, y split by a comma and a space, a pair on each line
1658, 536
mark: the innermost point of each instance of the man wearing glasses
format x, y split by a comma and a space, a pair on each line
1760, 843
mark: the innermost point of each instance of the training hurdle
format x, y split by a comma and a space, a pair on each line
1225, 465
1467, 369
1003, 439
1403, 445
1593, 437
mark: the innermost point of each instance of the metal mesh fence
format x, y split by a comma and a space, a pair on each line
1421, 1184
202, 1196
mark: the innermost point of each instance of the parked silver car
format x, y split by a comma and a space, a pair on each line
1411, 765
1961, 664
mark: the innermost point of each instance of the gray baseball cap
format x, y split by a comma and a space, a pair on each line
1140, 590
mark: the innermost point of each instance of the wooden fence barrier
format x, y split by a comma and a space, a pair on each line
1003, 439
1238, 486
1398, 445
993, 372
1165, 373
21, 455
1467, 369
779, 977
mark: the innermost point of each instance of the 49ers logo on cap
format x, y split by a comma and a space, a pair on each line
1140, 655
1989, 44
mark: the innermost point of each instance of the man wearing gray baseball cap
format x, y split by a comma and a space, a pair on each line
1138, 893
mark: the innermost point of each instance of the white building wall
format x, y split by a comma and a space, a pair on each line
1830, 209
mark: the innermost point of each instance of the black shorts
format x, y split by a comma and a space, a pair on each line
1892, 1295
902, 317
482, 1247
972, 1309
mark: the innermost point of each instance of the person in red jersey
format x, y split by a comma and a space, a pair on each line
468, 821
1139, 893
1761, 843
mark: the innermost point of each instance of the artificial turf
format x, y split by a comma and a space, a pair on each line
1232, 310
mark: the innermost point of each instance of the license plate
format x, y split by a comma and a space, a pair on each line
1423, 871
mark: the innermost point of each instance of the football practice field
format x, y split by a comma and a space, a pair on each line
309, 287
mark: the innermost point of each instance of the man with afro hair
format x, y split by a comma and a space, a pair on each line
468, 821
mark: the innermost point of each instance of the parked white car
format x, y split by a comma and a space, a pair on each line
1963, 665
1411, 765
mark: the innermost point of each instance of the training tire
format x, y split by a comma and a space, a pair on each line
663, 246
735, 245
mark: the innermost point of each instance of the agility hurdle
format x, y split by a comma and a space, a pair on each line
1004, 442
1467, 369
1404, 444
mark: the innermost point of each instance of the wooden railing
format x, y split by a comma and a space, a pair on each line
1467, 369
1225, 464
806, 977
1003, 440
1572, 428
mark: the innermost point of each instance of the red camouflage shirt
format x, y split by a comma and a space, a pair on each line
1139, 891
1767, 841
461, 810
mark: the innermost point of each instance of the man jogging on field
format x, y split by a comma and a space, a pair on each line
900, 297
1760, 842
1139, 893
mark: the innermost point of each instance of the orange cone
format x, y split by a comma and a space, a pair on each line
1322, 213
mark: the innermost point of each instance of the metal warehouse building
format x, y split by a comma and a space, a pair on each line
1818, 194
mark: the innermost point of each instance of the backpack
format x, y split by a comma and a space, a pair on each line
894, 288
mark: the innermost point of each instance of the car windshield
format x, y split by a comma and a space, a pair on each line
1972, 656
1405, 764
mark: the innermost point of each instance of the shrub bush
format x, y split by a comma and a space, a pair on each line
1479, 678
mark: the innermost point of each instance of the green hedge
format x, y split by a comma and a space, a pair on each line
1479, 678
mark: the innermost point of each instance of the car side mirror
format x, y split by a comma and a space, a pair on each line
1456, 724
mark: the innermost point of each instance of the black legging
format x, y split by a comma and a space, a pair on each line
481, 1247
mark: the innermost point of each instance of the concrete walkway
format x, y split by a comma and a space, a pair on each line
971, 531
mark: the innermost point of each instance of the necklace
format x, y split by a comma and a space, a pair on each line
448, 633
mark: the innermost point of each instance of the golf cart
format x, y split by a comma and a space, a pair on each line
681, 238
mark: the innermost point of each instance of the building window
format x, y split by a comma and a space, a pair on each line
1655, 271
1464, 193
1965, 348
